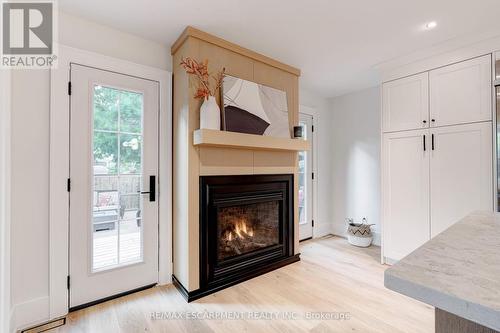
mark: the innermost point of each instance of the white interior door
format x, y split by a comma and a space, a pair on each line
405, 182
305, 180
461, 173
113, 157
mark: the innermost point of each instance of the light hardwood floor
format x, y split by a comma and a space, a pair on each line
331, 277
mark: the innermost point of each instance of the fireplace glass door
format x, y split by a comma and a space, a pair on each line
246, 228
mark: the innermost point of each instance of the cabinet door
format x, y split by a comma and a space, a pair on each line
461, 93
405, 192
461, 173
406, 103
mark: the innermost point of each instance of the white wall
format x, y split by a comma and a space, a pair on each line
90, 36
29, 193
5, 306
323, 177
30, 159
355, 149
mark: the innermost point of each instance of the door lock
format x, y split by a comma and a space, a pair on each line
152, 189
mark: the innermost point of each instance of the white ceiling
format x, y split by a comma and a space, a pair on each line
336, 43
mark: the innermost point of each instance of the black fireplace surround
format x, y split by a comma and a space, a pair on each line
246, 229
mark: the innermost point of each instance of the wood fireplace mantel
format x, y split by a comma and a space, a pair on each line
214, 138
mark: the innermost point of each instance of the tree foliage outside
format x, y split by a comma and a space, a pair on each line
117, 130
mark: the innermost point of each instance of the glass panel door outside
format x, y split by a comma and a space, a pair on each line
305, 183
113, 234
303, 170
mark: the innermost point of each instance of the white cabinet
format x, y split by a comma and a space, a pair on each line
424, 191
405, 186
461, 93
461, 173
406, 103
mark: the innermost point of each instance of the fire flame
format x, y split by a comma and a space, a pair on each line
241, 230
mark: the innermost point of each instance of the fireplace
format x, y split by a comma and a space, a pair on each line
246, 228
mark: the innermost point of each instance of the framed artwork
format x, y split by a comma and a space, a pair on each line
254, 108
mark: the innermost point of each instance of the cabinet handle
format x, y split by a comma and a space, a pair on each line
424, 141
424, 121
432, 141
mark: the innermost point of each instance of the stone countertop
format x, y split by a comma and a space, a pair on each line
457, 271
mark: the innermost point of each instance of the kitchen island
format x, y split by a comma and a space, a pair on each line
457, 272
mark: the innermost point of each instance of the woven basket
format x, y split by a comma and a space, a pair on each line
359, 234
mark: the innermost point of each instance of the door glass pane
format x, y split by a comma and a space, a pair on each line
105, 108
117, 153
302, 180
105, 153
130, 154
130, 112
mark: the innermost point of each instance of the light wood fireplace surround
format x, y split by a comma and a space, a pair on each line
212, 153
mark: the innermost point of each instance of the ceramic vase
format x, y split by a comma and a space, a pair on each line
210, 114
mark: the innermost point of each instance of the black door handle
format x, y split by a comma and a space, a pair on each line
152, 189
432, 141
424, 141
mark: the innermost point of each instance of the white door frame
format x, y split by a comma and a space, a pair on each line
494, 58
5, 95
310, 111
59, 167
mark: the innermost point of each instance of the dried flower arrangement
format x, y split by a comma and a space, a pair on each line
200, 70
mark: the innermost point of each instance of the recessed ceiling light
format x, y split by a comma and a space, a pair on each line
430, 25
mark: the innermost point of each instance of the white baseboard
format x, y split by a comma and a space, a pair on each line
389, 261
30, 313
166, 277
377, 240
321, 230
